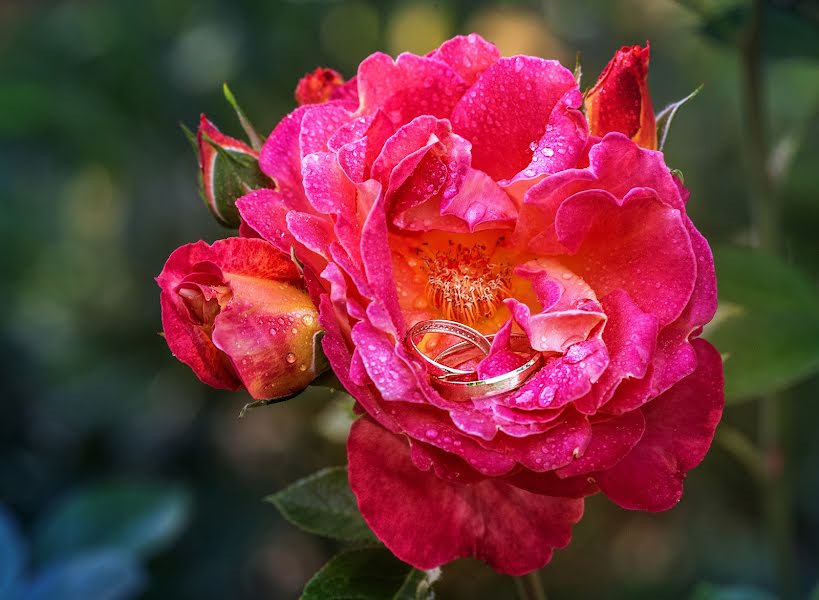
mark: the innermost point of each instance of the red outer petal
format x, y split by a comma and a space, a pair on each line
427, 521
680, 426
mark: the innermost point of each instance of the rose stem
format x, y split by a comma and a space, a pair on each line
766, 222
530, 586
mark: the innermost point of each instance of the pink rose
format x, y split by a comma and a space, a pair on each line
237, 314
466, 186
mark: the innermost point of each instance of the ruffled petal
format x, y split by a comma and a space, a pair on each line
640, 245
680, 426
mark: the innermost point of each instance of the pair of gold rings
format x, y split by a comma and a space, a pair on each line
457, 383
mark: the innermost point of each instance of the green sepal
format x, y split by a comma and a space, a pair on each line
235, 174
665, 116
252, 134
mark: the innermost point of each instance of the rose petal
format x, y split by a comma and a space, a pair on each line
481, 203
511, 101
475, 520
408, 87
468, 55
630, 336
611, 440
680, 426
641, 246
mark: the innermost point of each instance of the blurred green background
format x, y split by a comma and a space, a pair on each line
121, 476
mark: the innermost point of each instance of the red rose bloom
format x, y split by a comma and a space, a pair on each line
465, 186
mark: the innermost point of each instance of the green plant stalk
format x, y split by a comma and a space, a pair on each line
766, 220
530, 586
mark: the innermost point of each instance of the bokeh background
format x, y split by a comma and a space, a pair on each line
121, 476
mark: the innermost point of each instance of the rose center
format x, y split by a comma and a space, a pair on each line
464, 284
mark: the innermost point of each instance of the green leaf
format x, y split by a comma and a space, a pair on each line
665, 116
323, 504
708, 591
101, 575
138, 518
767, 325
252, 135
369, 574
12, 554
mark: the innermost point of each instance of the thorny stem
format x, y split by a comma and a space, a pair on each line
530, 587
766, 220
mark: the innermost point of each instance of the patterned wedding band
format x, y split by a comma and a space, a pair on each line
453, 389
470, 336
457, 389
518, 343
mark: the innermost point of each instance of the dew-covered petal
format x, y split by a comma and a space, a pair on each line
630, 336
560, 147
475, 520
562, 379
563, 442
680, 426
480, 203
507, 109
641, 246
611, 440
468, 55
408, 87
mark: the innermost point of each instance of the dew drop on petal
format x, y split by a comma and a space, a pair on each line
290, 358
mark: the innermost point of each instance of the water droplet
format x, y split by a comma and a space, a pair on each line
307, 320
431, 434
302, 367
290, 358
548, 152
294, 331
272, 331
567, 276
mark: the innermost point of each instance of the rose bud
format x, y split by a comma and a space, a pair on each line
237, 314
229, 169
318, 86
620, 100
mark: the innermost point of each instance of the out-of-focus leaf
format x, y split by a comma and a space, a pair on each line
767, 326
790, 30
708, 591
99, 575
370, 574
12, 554
665, 116
323, 504
133, 517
